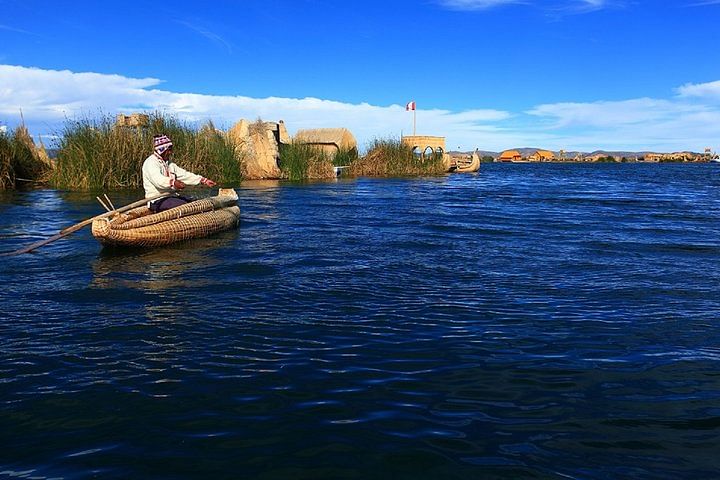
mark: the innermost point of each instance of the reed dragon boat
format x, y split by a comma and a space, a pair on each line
467, 165
140, 227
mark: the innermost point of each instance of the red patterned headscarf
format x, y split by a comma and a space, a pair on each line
161, 143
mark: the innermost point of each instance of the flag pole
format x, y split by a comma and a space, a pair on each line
414, 110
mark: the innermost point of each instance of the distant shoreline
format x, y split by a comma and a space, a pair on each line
537, 155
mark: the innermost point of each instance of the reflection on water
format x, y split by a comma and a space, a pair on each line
179, 266
261, 184
173, 272
27, 216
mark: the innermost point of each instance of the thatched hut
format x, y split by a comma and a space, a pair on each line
137, 120
257, 147
542, 156
510, 156
329, 140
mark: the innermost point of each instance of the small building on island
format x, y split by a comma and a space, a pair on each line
510, 156
542, 156
329, 140
135, 120
425, 145
257, 146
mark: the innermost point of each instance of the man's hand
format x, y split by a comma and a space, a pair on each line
178, 184
207, 182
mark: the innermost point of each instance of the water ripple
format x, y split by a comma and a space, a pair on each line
532, 321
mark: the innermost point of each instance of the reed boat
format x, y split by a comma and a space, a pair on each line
140, 227
466, 165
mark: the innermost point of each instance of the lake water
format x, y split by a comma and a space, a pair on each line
530, 321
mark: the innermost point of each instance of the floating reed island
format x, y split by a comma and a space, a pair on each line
107, 153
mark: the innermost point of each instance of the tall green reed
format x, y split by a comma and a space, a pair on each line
97, 154
20, 161
391, 158
344, 157
300, 161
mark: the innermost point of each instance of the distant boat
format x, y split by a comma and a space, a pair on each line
466, 165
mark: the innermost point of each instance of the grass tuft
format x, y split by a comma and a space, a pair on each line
300, 161
391, 158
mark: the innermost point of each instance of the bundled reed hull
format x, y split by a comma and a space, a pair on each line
465, 167
141, 228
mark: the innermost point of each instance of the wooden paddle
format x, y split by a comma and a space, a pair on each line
74, 228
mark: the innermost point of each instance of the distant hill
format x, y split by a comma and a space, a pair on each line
482, 153
487, 153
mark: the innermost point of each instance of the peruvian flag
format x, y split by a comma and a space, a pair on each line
410, 106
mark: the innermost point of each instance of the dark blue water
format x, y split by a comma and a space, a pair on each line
531, 321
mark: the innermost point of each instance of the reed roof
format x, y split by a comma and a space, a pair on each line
510, 154
340, 137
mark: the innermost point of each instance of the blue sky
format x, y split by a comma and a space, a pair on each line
488, 74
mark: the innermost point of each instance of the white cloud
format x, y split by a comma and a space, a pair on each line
607, 114
556, 7
561, 9
635, 124
48, 97
476, 4
689, 120
588, 5
16, 30
710, 90
213, 37
594, 3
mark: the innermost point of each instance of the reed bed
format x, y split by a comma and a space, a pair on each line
300, 161
391, 158
97, 154
20, 161
345, 157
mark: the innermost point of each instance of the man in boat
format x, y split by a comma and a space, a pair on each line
162, 175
